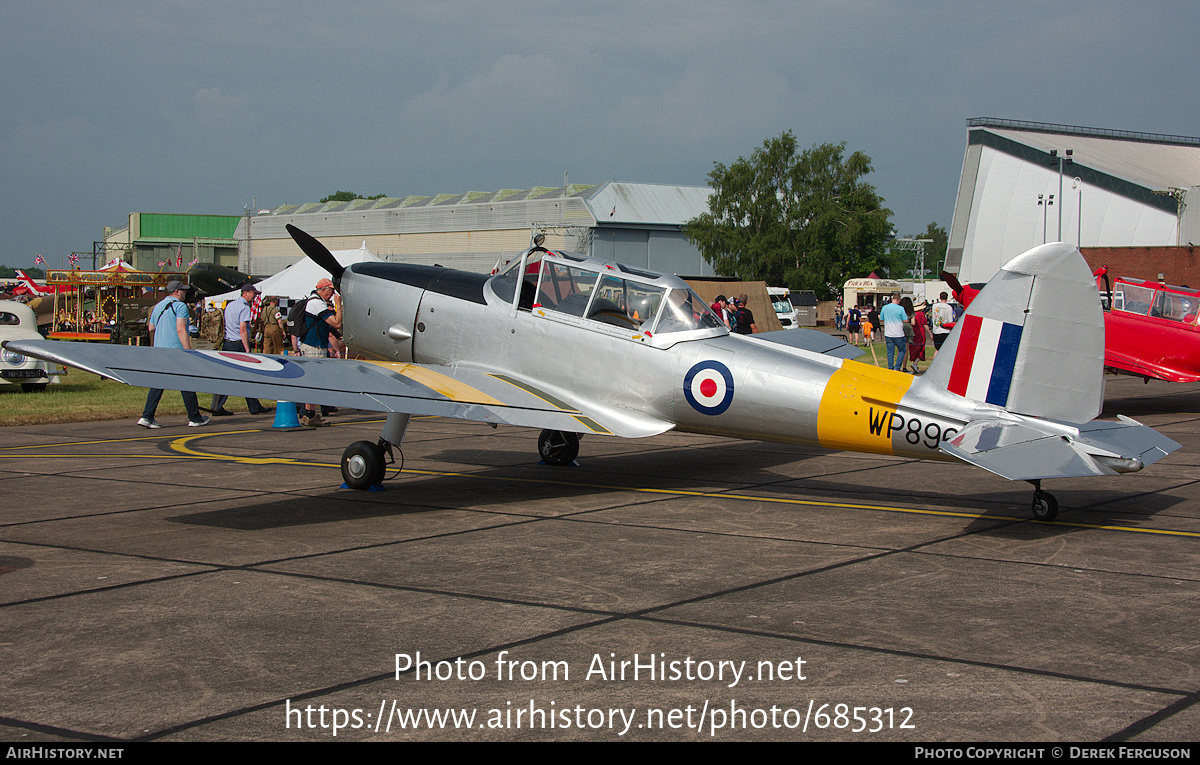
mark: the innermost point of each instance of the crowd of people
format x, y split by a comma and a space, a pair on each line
905, 327
248, 324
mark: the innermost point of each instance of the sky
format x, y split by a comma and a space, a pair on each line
211, 107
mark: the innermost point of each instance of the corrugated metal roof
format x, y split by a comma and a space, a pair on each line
610, 203
646, 203
1153, 165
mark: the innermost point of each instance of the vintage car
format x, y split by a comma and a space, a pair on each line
18, 322
1150, 329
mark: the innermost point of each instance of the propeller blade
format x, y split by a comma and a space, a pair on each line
318, 252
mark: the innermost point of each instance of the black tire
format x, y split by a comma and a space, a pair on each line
33, 387
363, 465
1045, 506
558, 447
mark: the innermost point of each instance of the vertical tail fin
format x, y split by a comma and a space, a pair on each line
1032, 341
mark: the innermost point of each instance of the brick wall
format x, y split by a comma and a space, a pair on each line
1178, 265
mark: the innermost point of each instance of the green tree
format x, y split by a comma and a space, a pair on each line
807, 221
349, 196
936, 251
7, 272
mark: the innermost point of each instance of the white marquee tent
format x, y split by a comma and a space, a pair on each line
298, 279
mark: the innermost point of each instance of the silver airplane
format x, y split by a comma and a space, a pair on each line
578, 345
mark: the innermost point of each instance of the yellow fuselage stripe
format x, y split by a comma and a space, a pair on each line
856, 395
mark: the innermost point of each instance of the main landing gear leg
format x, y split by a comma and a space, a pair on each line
1045, 506
364, 464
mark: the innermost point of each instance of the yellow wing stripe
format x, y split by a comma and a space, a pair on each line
581, 418
452, 389
857, 407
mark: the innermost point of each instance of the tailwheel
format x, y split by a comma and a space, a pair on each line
1045, 506
558, 447
363, 465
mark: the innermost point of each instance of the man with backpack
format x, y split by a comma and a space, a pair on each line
312, 320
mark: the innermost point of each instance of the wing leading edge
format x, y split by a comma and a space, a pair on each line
419, 389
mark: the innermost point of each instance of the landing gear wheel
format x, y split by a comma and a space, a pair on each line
558, 447
363, 465
1045, 506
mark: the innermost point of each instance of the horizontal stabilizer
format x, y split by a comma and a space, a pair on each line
1020, 451
1126, 437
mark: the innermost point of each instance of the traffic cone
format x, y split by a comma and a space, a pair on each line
285, 416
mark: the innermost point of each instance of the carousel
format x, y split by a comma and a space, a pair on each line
106, 305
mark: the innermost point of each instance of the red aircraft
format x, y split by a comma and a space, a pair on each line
29, 287
1150, 329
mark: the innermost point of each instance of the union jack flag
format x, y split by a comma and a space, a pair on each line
162, 263
73, 258
179, 255
39, 261
193, 262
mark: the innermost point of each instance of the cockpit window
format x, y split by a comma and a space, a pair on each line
1174, 307
1133, 299
623, 303
685, 311
504, 283
565, 288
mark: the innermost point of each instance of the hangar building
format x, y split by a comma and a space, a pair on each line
638, 224
173, 239
1115, 189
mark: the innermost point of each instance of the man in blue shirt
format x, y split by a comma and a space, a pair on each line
238, 337
169, 327
894, 318
321, 319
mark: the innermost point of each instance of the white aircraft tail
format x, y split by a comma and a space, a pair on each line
1032, 341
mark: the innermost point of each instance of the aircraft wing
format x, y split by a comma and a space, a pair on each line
1021, 452
421, 389
809, 340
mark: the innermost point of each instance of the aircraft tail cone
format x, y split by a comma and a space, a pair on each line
286, 417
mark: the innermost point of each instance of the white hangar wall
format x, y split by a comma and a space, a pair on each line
1121, 189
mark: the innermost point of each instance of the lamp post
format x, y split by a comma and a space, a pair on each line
1045, 204
1054, 157
1077, 183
